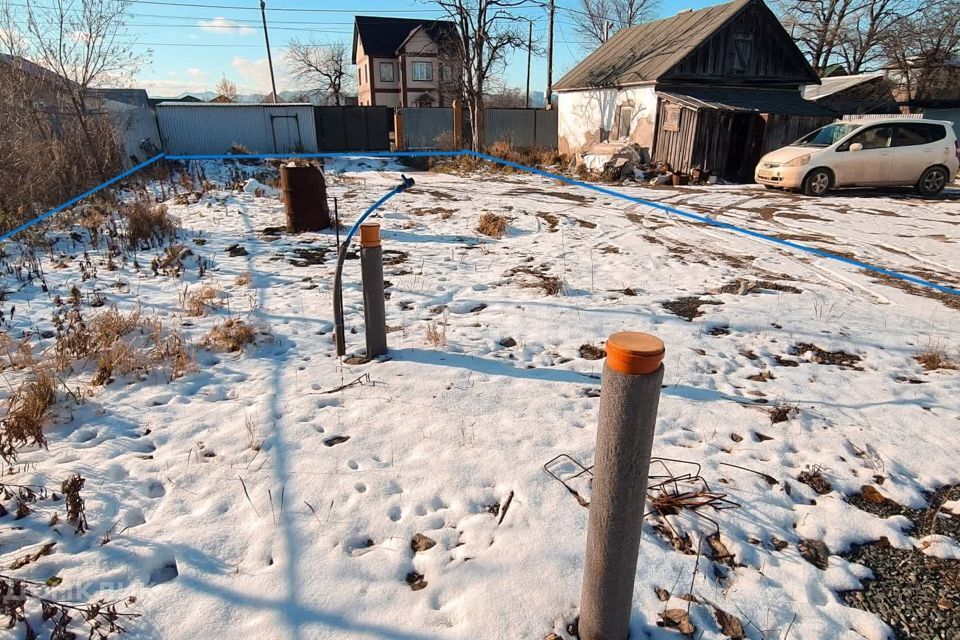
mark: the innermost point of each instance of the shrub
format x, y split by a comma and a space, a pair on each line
26, 412
492, 225
934, 358
196, 303
147, 224
231, 335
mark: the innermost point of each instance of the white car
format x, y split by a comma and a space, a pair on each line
864, 153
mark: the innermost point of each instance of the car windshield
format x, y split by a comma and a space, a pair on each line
827, 135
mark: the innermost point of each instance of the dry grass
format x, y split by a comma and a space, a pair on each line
148, 224
437, 333
231, 335
934, 358
119, 344
196, 303
19, 354
26, 412
243, 280
492, 225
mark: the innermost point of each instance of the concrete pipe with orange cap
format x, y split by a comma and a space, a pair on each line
371, 270
629, 396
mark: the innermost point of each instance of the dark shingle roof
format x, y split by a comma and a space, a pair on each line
646, 51
30, 68
747, 100
383, 36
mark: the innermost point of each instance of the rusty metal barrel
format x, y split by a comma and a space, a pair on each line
304, 198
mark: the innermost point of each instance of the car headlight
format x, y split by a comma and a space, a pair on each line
798, 161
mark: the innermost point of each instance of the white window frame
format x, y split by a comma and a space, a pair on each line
422, 65
393, 72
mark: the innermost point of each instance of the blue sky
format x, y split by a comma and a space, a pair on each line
194, 46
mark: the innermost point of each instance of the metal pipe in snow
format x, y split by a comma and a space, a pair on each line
339, 338
629, 396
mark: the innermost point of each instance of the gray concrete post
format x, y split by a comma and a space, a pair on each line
371, 268
629, 395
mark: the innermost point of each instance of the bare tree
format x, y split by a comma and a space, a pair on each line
321, 68
85, 43
924, 50
598, 20
227, 88
817, 26
863, 33
506, 98
486, 32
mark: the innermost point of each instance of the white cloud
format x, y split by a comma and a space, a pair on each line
12, 40
192, 80
225, 26
255, 74
198, 75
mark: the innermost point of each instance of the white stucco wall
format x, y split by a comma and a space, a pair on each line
590, 116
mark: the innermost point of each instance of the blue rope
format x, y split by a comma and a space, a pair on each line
73, 201
723, 225
483, 156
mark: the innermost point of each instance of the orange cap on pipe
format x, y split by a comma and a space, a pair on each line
634, 353
370, 234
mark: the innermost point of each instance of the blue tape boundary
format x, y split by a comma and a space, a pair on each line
483, 156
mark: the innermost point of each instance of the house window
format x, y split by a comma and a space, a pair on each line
423, 71
446, 72
624, 117
386, 72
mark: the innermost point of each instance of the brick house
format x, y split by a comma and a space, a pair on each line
403, 62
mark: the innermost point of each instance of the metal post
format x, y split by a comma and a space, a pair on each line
629, 396
549, 94
338, 289
371, 268
273, 82
526, 103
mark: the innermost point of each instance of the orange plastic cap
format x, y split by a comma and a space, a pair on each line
370, 234
634, 353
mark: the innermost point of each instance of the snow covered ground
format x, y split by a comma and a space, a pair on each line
235, 507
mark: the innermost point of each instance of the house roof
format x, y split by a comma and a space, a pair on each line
836, 84
30, 68
782, 101
645, 52
133, 97
383, 36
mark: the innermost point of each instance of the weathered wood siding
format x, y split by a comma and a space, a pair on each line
782, 130
752, 49
675, 147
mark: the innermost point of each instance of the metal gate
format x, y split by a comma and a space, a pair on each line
286, 133
427, 127
353, 128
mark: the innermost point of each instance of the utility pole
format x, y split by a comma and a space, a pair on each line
266, 37
529, 53
549, 95
606, 30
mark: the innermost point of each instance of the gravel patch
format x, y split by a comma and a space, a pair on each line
917, 595
929, 521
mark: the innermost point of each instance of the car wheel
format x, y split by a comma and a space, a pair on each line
932, 182
817, 182
770, 186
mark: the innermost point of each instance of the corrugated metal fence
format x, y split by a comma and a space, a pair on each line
525, 128
427, 128
210, 128
432, 128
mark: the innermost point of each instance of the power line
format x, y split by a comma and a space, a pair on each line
291, 9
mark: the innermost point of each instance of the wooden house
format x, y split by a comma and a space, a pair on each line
714, 89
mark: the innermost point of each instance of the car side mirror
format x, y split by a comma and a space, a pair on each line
856, 146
